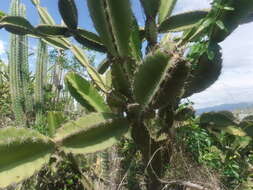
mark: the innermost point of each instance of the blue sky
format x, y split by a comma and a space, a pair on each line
235, 83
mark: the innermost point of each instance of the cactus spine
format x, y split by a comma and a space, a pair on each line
40, 80
16, 64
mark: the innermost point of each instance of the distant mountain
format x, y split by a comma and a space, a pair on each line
230, 107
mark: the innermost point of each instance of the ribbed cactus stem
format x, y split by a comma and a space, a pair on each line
25, 67
41, 67
15, 60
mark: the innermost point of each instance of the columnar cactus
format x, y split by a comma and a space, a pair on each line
16, 59
138, 91
25, 67
40, 79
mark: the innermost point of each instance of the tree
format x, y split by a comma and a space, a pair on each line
139, 92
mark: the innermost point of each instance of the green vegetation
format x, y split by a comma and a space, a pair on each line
131, 100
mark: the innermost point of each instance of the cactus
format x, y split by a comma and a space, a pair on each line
25, 68
25, 151
84, 93
146, 88
41, 68
17, 65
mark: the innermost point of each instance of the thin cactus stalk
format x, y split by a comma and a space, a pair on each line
41, 66
25, 67
15, 59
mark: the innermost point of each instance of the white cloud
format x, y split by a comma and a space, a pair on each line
235, 83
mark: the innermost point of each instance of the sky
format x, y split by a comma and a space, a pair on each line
234, 85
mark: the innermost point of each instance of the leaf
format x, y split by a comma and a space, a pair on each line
89, 40
53, 30
23, 152
97, 79
91, 133
68, 12
149, 77
165, 9
183, 21
85, 93
54, 120
17, 25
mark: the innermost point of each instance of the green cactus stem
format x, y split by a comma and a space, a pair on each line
16, 58
41, 67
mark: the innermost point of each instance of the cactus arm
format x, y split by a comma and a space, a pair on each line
136, 41
205, 72
165, 9
96, 77
53, 30
231, 19
146, 85
23, 152
103, 66
100, 20
89, 40
183, 21
69, 13
56, 42
54, 120
121, 19
150, 7
42, 58
17, 25
94, 132
112, 20
85, 93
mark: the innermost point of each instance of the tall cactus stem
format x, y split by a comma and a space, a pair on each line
15, 59
41, 67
